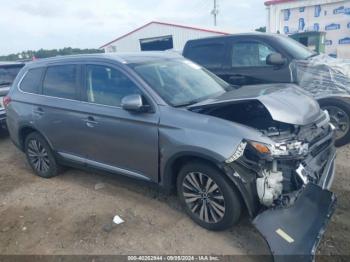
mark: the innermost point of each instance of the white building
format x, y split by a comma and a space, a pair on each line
330, 16
158, 36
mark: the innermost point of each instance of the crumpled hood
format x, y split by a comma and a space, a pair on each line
286, 103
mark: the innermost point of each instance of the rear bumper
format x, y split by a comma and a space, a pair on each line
294, 233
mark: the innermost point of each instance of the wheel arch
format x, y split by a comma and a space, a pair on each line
343, 103
24, 131
174, 164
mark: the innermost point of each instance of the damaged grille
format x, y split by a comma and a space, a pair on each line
318, 135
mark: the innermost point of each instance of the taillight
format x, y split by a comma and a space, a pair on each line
6, 101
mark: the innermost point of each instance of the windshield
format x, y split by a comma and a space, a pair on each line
180, 82
294, 48
8, 74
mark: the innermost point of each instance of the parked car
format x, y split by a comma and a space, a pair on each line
8, 72
162, 118
260, 58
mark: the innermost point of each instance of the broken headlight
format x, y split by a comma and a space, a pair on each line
295, 148
238, 153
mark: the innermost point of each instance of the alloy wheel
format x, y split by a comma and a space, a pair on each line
38, 156
339, 119
203, 197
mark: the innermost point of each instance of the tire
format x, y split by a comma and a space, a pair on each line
339, 113
223, 199
40, 156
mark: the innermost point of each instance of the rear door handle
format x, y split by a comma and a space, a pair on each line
90, 121
38, 111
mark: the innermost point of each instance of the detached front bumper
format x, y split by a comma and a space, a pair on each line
293, 233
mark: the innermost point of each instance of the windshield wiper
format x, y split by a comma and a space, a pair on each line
312, 55
200, 99
194, 101
5, 83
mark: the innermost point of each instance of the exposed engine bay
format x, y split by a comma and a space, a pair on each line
297, 156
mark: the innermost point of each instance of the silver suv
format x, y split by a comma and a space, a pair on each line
161, 118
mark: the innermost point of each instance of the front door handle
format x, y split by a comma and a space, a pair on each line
90, 121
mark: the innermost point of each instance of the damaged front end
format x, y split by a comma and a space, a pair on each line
288, 178
292, 181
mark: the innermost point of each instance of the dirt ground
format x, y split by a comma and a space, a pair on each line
72, 214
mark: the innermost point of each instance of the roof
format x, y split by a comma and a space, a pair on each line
166, 24
274, 2
233, 36
124, 58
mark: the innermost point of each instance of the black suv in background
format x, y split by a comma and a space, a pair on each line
260, 58
8, 72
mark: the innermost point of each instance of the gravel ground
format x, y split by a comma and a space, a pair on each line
72, 214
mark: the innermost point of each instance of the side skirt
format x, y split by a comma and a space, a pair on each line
101, 166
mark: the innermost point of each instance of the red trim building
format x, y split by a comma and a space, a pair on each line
158, 36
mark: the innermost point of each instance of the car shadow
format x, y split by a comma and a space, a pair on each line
243, 233
90, 178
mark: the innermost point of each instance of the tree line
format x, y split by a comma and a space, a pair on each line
45, 53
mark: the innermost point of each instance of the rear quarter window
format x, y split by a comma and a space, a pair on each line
31, 81
209, 55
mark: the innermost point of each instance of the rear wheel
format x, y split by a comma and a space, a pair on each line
40, 156
207, 196
339, 113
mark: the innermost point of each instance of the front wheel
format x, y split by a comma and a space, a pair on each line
339, 113
207, 196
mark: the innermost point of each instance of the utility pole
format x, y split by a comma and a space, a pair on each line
215, 12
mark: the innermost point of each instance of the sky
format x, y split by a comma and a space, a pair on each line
48, 24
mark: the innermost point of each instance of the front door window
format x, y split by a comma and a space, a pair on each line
250, 54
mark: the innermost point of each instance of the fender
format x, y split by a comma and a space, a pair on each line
245, 183
20, 135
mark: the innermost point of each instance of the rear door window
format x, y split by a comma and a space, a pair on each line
32, 81
250, 54
209, 55
61, 81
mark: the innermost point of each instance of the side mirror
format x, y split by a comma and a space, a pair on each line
134, 103
275, 59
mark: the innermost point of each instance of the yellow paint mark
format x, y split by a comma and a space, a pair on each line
284, 235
